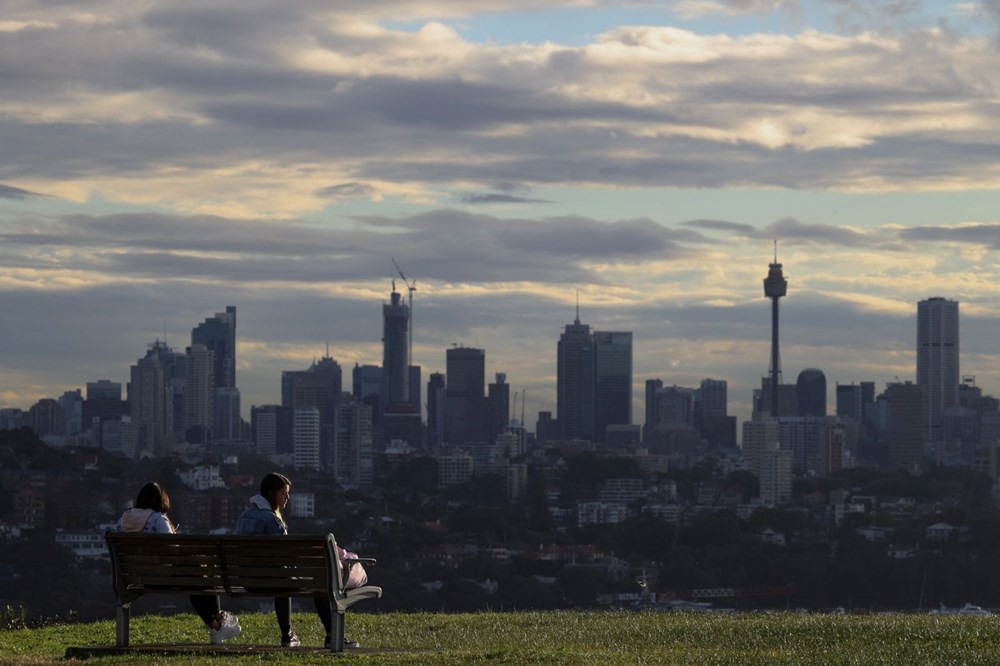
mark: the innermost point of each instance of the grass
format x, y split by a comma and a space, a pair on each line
607, 639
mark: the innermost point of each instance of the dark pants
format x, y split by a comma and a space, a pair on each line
207, 606
283, 609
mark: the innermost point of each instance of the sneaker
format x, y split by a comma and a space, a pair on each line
229, 626
290, 641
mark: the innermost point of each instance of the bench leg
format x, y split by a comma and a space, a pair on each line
122, 616
337, 633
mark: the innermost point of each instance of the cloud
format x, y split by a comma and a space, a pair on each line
694, 9
254, 110
979, 234
347, 191
10, 192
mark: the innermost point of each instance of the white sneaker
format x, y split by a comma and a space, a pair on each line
229, 626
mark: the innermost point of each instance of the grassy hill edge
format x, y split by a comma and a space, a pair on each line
605, 638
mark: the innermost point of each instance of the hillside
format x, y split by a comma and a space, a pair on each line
608, 639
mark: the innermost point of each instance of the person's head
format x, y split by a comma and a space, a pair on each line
274, 487
152, 496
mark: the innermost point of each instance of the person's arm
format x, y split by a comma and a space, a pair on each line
158, 523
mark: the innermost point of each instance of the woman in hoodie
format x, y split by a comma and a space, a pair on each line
149, 514
263, 516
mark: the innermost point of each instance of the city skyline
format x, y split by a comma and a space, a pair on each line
164, 161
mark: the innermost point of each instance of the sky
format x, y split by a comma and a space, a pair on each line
162, 160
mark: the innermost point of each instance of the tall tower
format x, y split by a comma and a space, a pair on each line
465, 401
199, 394
575, 381
395, 350
775, 286
612, 381
218, 334
937, 361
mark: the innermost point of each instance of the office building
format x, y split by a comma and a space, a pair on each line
937, 361
353, 455
218, 334
498, 407
199, 394
906, 425
366, 387
271, 430
103, 400
575, 382
612, 380
305, 438
775, 475
651, 418
151, 399
712, 413
465, 401
395, 350
810, 393
435, 411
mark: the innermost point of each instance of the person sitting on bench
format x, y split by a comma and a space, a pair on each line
263, 516
149, 514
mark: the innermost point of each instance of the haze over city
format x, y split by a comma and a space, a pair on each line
163, 161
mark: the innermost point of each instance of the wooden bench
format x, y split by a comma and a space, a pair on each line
232, 565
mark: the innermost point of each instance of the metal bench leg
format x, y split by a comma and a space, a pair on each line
122, 615
337, 635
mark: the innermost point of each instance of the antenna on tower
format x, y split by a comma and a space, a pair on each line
411, 287
577, 306
775, 250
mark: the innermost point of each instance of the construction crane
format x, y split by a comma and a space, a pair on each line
411, 286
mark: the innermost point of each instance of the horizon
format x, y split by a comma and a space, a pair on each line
164, 161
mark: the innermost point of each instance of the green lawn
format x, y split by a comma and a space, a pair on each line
606, 639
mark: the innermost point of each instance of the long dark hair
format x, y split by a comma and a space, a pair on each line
269, 487
152, 496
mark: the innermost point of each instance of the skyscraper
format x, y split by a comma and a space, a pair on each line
810, 391
218, 334
319, 386
395, 350
435, 411
652, 418
612, 380
775, 287
937, 361
712, 413
465, 402
498, 407
151, 399
353, 455
906, 420
575, 381
199, 394
305, 438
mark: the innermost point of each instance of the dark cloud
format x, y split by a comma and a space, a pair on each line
744, 230
347, 191
446, 245
496, 197
795, 232
979, 234
9, 192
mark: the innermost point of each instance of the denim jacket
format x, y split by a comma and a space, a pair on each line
259, 520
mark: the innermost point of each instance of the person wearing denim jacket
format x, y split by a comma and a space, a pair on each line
263, 516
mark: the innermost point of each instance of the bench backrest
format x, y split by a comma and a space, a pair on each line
230, 564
